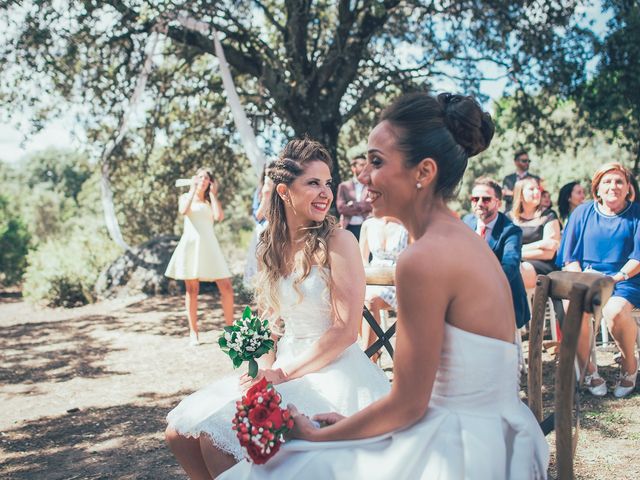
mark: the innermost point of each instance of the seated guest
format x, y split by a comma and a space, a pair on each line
382, 240
540, 231
545, 200
571, 196
351, 199
504, 238
604, 236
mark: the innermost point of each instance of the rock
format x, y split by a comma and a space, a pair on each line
141, 270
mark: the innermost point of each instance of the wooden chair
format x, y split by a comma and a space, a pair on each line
587, 293
385, 276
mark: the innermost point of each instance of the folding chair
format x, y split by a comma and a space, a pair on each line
385, 276
587, 293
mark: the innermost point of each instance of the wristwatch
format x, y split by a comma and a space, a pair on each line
625, 275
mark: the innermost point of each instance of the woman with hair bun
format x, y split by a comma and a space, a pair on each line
453, 410
311, 280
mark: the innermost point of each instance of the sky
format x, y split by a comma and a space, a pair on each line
65, 132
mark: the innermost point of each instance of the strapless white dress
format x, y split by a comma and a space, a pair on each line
476, 428
348, 384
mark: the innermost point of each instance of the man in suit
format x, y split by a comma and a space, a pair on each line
504, 238
521, 161
351, 199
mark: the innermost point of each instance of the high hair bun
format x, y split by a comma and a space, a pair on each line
471, 128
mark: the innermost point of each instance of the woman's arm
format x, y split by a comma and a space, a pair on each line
631, 268
218, 213
347, 298
364, 244
415, 365
546, 248
184, 205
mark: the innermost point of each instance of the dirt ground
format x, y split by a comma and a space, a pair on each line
85, 391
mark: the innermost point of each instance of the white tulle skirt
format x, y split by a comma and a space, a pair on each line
347, 385
475, 428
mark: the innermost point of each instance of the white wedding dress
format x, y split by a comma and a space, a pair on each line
475, 428
348, 384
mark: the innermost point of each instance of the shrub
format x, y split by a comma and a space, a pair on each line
63, 271
14, 245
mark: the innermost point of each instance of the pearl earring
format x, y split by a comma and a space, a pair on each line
418, 185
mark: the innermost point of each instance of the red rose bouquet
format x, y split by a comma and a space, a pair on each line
260, 423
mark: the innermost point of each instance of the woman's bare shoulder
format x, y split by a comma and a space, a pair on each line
341, 240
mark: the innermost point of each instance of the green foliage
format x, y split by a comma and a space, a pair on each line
57, 196
578, 161
45, 188
612, 98
302, 68
14, 244
62, 272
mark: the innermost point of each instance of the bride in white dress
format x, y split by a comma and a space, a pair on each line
453, 411
312, 279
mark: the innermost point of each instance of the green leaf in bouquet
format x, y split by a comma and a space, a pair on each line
253, 368
246, 313
268, 344
265, 323
222, 342
237, 361
233, 354
261, 351
230, 329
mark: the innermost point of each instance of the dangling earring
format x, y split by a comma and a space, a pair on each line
418, 185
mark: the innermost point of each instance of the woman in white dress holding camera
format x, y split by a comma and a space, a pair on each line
198, 257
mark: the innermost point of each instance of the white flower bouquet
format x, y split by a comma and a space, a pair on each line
246, 340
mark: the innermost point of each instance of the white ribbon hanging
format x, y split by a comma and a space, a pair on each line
111, 221
245, 131
247, 136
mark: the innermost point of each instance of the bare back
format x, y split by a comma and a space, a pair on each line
462, 273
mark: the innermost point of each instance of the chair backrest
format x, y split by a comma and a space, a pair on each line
385, 276
587, 293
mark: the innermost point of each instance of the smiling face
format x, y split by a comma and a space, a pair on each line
389, 181
531, 193
309, 196
613, 190
577, 196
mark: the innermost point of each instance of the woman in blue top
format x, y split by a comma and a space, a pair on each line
604, 236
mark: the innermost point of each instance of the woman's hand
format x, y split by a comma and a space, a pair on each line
272, 376
328, 418
303, 428
214, 186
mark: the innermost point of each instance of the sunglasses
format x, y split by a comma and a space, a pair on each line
525, 161
483, 199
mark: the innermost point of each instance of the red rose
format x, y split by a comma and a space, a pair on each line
261, 385
258, 416
258, 456
276, 418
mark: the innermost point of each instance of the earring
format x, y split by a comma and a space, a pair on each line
418, 185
